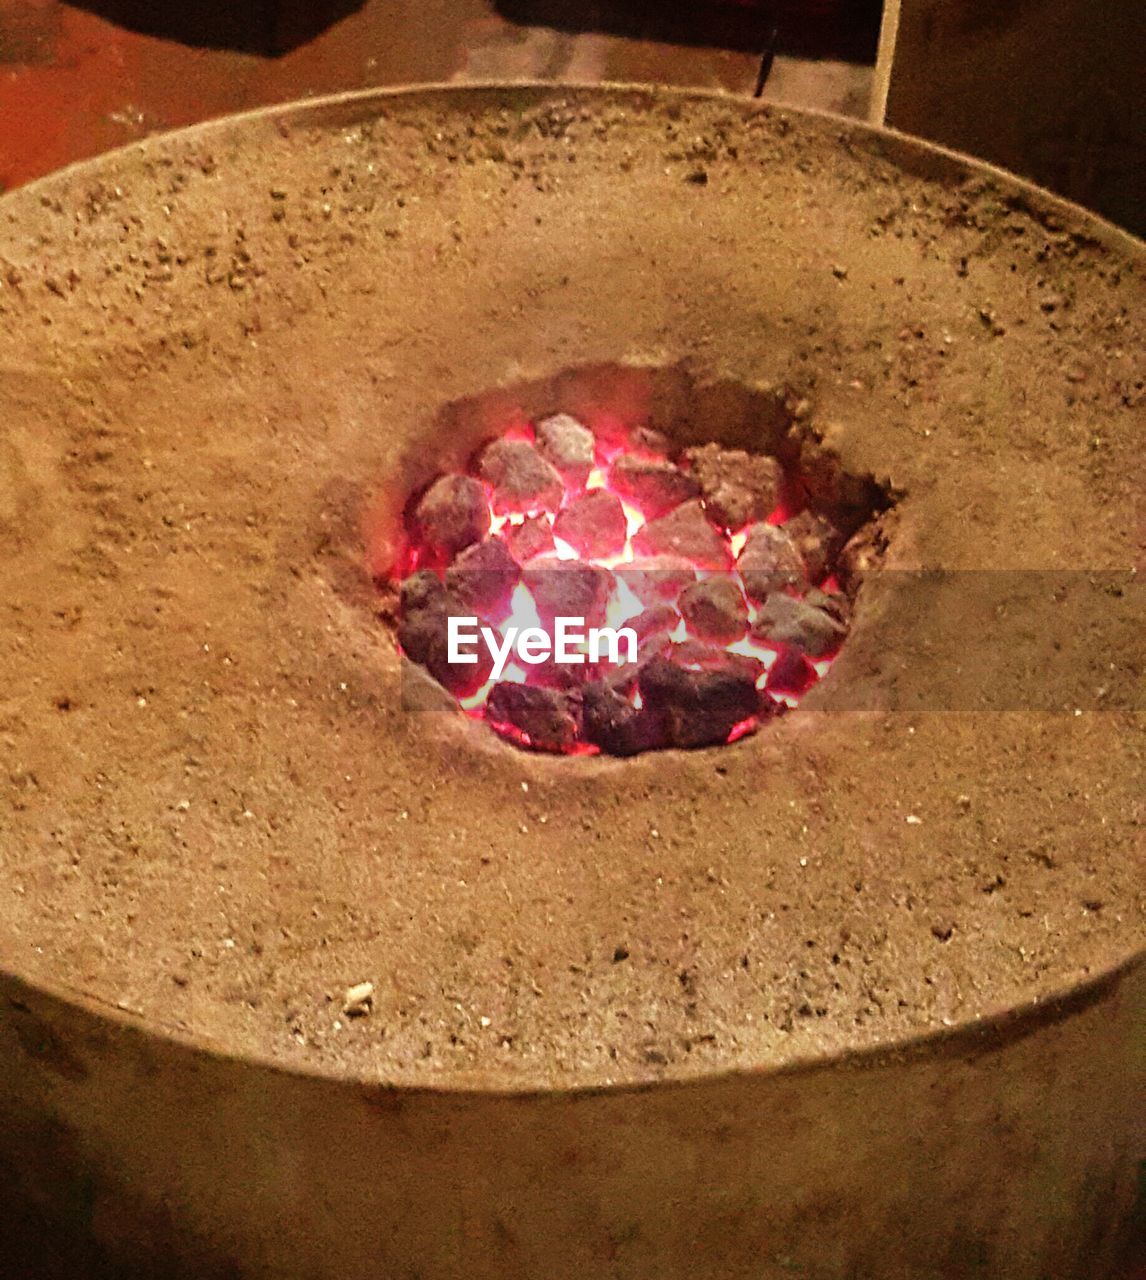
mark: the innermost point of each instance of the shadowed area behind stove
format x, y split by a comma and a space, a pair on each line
267, 27
843, 29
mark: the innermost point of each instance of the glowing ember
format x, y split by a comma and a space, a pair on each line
593, 599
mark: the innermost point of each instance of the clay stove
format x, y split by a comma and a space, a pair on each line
301, 979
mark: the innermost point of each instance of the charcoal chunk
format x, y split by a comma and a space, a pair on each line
737, 487
615, 724
570, 673
817, 540
568, 446
568, 589
550, 719
483, 576
520, 478
449, 516
423, 632
656, 620
791, 675
656, 579
784, 620
653, 485
593, 524
715, 609
685, 532
699, 656
653, 628
533, 537
552, 674
699, 708
769, 561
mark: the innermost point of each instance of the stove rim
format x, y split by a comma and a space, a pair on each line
915, 155
961, 1041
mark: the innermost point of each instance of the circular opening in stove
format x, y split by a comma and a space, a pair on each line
587, 582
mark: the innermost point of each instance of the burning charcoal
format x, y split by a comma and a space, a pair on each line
783, 620
423, 633
623, 679
613, 723
707, 657
769, 560
653, 628
552, 674
817, 540
700, 708
568, 589
532, 538
450, 515
568, 446
655, 486
571, 674
791, 674
483, 577
593, 524
715, 609
520, 478
657, 619
549, 718
684, 532
654, 579
737, 487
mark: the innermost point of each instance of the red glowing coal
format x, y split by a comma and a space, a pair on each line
587, 594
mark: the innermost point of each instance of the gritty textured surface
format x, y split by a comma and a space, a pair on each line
218, 349
73, 83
